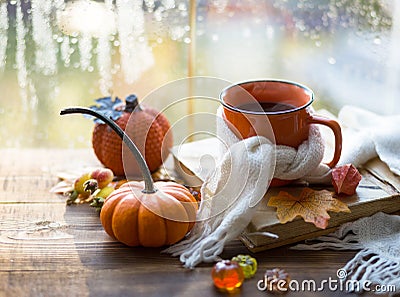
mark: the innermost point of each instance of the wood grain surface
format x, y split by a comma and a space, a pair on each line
50, 249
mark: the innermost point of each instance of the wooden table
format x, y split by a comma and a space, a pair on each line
50, 249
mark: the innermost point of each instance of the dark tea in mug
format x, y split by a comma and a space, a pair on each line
268, 107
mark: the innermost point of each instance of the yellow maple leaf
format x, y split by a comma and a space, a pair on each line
311, 205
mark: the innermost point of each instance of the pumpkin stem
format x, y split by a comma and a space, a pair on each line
148, 181
132, 104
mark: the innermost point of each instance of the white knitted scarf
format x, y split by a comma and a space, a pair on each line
232, 191
223, 216
377, 237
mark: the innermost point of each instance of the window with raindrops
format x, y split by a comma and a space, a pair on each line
58, 53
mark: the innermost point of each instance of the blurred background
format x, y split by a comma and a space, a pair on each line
58, 53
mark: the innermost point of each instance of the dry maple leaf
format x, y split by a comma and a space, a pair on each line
311, 205
345, 179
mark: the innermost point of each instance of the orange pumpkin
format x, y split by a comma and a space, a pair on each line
152, 220
144, 213
145, 126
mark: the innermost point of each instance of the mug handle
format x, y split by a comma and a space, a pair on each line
337, 131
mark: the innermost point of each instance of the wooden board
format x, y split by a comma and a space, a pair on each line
378, 191
50, 249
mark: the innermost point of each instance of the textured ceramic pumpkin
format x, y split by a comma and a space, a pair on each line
144, 213
152, 220
145, 126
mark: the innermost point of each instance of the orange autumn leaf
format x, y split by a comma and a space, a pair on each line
311, 205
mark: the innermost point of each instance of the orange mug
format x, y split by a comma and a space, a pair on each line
287, 106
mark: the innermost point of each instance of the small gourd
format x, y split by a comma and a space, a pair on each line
144, 213
227, 275
247, 263
148, 128
136, 218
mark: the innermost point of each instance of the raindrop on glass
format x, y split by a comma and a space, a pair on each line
3, 35
332, 60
